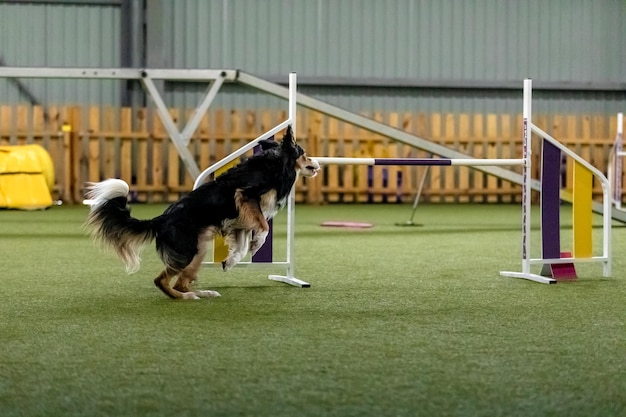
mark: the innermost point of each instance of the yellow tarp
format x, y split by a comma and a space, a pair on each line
26, 177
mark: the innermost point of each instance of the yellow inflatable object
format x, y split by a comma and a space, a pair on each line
45, 162
26, 177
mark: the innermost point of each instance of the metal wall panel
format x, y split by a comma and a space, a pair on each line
349, 52
60, 35
415, 43
427, 100
479, 40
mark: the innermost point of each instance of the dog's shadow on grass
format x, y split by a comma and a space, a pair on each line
242, 287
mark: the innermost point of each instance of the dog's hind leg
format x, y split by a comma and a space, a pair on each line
163, 283
182, 255
190, 274
185, 279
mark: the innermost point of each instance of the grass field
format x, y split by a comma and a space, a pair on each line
399, 321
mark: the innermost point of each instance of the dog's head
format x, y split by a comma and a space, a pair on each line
290, 149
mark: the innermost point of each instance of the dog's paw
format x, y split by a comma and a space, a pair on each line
207, 294
256, 243
254, 247
190, 296
228, 264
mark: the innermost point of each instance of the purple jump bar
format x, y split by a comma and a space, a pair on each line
412, 161
325, 160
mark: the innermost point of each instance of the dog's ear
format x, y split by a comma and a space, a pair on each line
289, 136
266, 144
289, 144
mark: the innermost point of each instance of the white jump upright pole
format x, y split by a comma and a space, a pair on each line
291, 202
527, 155
526, 192
615, 164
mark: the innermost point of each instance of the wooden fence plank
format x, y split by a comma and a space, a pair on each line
6, 125
434, 179
463, 135
332, 171
479, 144
90, 144
313, 120
110, 144
63, 161
349, 151
493, 152
125, 139
159, 150
23, 124
507, 151
75, 126
449, 173
94, 145
38, 135
395, 173
142, 168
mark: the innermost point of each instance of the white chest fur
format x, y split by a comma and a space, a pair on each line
270, 205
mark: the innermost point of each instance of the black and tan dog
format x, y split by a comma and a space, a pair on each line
235, 204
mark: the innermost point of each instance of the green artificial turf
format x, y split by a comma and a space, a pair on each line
399, 321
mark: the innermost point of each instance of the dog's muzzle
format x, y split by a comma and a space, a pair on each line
312, 168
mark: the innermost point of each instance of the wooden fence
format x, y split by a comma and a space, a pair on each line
91, 144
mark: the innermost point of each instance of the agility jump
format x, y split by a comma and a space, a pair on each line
556, 264
552, 259
265, 255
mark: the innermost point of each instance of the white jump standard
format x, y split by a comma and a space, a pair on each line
550, 204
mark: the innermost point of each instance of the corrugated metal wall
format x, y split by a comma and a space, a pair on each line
413, 44
364, 55
60, 35
479, 40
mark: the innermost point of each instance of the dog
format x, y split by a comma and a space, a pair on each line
236, 204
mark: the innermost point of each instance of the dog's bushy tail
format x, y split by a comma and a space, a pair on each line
110, 223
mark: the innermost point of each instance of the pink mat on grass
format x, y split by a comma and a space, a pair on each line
355, 225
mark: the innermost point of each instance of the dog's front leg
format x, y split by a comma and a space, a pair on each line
257, 241
237, 242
